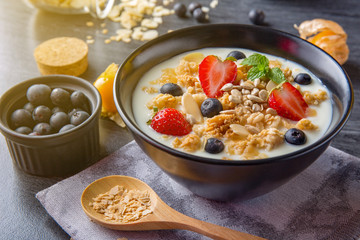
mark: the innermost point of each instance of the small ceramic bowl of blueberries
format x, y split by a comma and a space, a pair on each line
51, 124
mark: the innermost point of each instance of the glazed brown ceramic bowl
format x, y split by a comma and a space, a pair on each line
58, 154
219, 179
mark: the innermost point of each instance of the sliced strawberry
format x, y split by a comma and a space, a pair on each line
288, 102
171, 122
214, 73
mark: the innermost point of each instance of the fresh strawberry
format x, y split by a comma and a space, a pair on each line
171, 122
288, 102
214, 73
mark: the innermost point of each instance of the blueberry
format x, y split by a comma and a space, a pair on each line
214, 145
193, 6
28, 106
39, 94
21, 117
57, 109
172, 89
60, 97
257, 16
180, 9
58, 120
42, 129
199, 15
236, 54
74, 110
67, 127
303, 79
79, 117
34, 134
78, 99
211, 107
295, 136
24, 130
41, 114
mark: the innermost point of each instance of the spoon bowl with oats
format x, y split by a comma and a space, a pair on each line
128, 204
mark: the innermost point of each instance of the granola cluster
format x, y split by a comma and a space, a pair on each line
247, 125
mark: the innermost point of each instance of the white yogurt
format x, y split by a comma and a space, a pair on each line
143, 114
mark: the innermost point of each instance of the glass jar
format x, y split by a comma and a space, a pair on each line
97, 8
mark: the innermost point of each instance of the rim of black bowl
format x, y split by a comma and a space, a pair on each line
77, 128
190, 157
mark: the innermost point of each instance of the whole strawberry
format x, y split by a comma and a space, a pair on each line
288, 102
171, 122
214, 74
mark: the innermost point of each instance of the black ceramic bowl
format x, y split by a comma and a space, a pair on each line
220, 179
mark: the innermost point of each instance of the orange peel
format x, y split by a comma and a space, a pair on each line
104, 84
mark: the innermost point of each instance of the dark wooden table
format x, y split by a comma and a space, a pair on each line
23, 28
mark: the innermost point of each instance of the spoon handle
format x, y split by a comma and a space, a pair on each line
181, 221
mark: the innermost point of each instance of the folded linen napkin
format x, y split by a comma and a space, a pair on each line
323, 202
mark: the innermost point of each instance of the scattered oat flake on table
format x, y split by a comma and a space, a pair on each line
214, 3
90, 24
326, 34
147, 14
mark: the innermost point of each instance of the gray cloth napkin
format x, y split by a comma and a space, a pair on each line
323, 202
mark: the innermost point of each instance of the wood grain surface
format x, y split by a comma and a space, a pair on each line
22, 28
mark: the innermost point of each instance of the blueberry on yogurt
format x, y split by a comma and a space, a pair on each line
211, 107
214, 145
236, 54
172, 89
303, 79
295, 136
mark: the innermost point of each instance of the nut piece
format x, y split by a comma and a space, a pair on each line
236, 93
190, 107
247, 85
252, 129
271, 111
255, 91
256, 107
270, 85
263, 94
257, 82
239, 129
227, 87
255, 99
231, 111
234, 99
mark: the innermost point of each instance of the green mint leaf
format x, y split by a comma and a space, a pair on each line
155, 110
256, 60
276, 75
255, 73
231, 59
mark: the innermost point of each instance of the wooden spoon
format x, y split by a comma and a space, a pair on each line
162, 217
